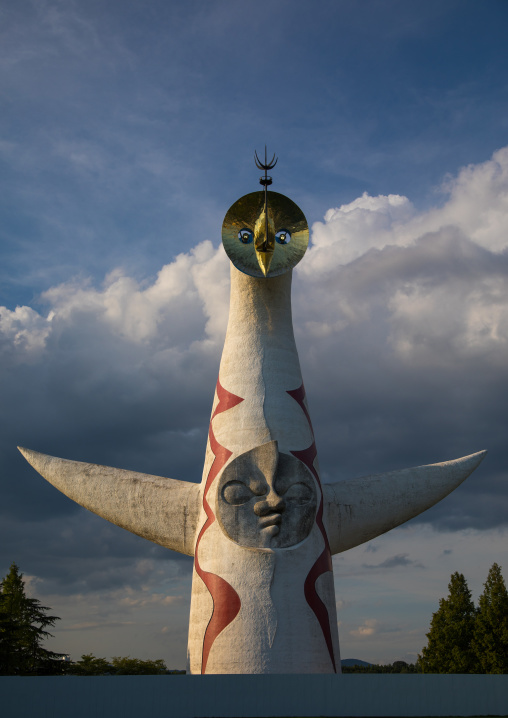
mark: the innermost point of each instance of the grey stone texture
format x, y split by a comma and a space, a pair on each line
266, 499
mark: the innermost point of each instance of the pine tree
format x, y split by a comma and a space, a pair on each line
490, 641
449, 648
23, 623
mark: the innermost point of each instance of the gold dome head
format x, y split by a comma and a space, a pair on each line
265, 246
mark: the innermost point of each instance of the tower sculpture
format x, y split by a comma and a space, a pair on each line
261, 526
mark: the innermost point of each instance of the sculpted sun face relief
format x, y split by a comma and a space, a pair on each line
266, 499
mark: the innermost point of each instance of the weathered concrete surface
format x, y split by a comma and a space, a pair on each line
249, 696
261, 602
261, 526
361, 509
263, 599
161, 510
266, 499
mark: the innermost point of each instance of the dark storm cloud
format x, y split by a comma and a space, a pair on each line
132, 388
404, 339
77, 552
110, 161
402, 324
438, 392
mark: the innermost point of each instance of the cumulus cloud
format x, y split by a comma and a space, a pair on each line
369, 628
24, 331
187, 302
405, 316
477, 206
401, 317
353, 229
435, 279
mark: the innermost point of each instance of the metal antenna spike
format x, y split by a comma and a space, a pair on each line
258, 161
270, 165
265, 165
265, 181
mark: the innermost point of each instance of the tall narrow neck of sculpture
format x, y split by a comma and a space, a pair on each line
260, 364
260, 313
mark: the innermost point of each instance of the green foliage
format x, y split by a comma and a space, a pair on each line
395, 667
463, 639
23, 623
136, 667
89, 665
490, 636
449, 648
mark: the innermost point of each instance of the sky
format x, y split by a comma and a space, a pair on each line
127, 131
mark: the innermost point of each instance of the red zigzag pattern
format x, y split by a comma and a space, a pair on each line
324, 562
226, 601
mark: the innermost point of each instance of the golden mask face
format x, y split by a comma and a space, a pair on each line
256, 251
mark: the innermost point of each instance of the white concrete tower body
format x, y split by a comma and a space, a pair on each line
261, 527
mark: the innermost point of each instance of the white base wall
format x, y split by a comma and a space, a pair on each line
253, 696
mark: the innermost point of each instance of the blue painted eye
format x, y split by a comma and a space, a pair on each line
245, 235
283, 236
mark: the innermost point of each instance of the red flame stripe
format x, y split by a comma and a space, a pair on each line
226, 601
324, 562
299, 396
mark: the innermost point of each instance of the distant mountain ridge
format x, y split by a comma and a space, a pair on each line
350, 662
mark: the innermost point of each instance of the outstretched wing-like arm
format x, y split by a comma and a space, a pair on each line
164, 511
358, 510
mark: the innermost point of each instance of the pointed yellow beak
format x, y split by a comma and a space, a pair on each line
264, 245
264, 260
